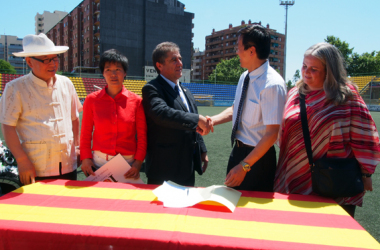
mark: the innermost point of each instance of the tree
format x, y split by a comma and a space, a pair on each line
365, 63
343, 47
355, 63
6, 67
227, 71
289, 85
296, 76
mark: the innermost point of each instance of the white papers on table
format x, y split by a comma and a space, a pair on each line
174, 195
113, 171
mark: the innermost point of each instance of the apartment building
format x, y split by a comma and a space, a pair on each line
134, 27
198, 63
220, 45
46, 20
9, 45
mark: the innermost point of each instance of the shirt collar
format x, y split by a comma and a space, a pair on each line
259, 71
172, 84
41, 82
124, 92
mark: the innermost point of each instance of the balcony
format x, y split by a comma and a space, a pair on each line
214, 42
231, 38
274, 59
96, 53
211, 57
229, 53
214, 50
17, 47
96, 10
15, 60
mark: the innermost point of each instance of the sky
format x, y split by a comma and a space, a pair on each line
309, 21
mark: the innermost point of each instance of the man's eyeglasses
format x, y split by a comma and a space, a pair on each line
46, 61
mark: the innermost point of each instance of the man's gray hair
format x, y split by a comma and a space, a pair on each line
160, 53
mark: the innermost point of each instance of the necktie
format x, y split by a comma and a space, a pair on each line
176, 88
240, 107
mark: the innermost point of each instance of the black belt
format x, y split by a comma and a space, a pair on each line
239, 144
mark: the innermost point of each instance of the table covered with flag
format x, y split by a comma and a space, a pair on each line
92, 215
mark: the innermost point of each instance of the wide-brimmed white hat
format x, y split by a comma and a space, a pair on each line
40, 45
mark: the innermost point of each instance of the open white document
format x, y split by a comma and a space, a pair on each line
113, 171
174, 195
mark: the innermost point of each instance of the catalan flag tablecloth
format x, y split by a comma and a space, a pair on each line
90, 215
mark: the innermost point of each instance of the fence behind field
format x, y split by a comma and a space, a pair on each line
207, 94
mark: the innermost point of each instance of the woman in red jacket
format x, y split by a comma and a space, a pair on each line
114, 120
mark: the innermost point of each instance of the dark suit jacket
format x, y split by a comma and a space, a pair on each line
174, 148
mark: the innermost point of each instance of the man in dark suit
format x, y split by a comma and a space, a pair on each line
175, 149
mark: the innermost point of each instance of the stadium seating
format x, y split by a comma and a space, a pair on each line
89, 83
206, 94
221, 94
79, 87
5, 78
134, 85
361, 81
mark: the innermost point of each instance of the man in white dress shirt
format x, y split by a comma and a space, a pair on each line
256, 114
39, 115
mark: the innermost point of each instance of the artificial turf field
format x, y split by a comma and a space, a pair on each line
219, 148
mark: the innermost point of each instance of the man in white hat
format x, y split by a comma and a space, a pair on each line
39, 115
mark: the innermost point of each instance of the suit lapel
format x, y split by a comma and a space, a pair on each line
171, 91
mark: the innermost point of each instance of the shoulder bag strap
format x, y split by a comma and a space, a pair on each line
305, 129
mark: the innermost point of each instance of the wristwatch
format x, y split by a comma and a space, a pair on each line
366, 175
246, 166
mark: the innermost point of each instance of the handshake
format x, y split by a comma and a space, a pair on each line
205, 124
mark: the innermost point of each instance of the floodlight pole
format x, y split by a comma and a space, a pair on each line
286, 4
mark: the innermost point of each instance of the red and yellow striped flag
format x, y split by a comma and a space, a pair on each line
82, 215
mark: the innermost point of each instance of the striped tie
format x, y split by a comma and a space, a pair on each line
239, 111
176, 88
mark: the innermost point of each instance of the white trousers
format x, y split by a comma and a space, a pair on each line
100, 158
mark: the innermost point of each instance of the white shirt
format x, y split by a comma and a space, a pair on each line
182, 95
263, 105
43, 118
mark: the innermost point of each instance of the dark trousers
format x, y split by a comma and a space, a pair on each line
350, 209
69, 176
261, 176
189, 182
